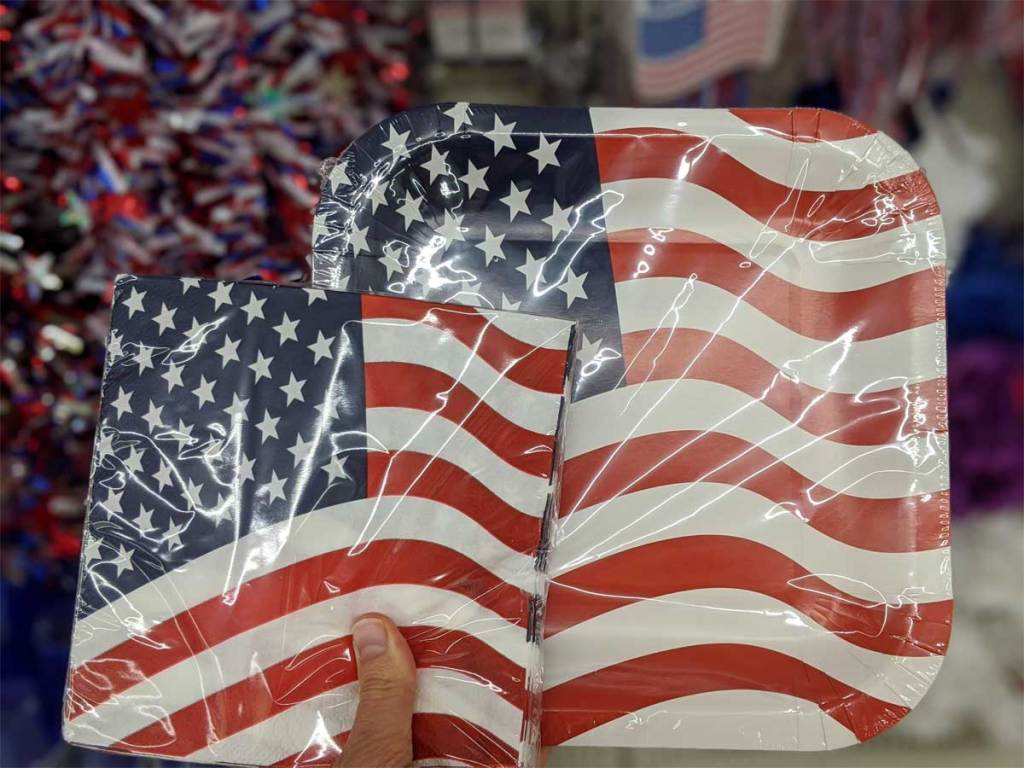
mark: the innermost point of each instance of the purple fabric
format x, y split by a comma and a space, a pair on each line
986, 408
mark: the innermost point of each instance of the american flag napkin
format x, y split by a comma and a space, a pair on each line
754, 543
271, 462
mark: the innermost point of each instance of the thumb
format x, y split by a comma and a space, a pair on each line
382, 733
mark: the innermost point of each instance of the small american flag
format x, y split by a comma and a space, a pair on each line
273, 461
753, 549
679, 45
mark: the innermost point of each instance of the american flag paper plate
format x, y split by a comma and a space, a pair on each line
754, 516
272, 462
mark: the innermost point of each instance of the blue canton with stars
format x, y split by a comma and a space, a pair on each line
474, 204
226, 407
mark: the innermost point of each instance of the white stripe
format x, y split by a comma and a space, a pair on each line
914, 465
851, 163
268, 644
283, 544
535, 330
421, 344
841, 365
407, 429
723, 720
708, 509
838, 265
710, 616
439, 691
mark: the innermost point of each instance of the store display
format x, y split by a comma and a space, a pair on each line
271, 462
753, 549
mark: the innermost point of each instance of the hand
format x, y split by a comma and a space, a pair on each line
381, 736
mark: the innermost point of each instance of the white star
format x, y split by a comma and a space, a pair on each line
378, 195
293, 389
145, 357
194, 493
268, 426
396, 143
92, 550
507, 304
545, 153
134, 461
474, 179
261, 367
183, 434
113, 501
491, 246
254, 308
134, 302
197, 331
301, 449
516, 201
173, 536
188, 283
460, 114
286, 330
204, 392
220, 295
321, 348
410, 209
532, 269
114, 346
315, 294
123, 403
558, 220
163, 476
501, 135
572, 287
153, 417
436, 165
452, 228
589, 350
105, 444
165, 319
123, 561
392, 259
237, 408
144, 522
335, 469
320, 227
245, 472
357, 239
338, 177
173, 376
276, 487
228, 350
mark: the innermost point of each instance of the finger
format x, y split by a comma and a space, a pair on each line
381, 735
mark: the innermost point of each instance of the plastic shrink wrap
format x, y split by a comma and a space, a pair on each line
752, 549
271, 462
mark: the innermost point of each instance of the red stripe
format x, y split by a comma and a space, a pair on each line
282, 592
310, 674
880, 310
405, 385
842, 214
434, 737
430, 477
876, 418
538, 368
729, 562
805, 124
881, 525
632, 685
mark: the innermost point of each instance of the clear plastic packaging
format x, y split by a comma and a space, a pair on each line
272, 462
753, 548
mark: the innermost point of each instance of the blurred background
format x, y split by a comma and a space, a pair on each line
186, 138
